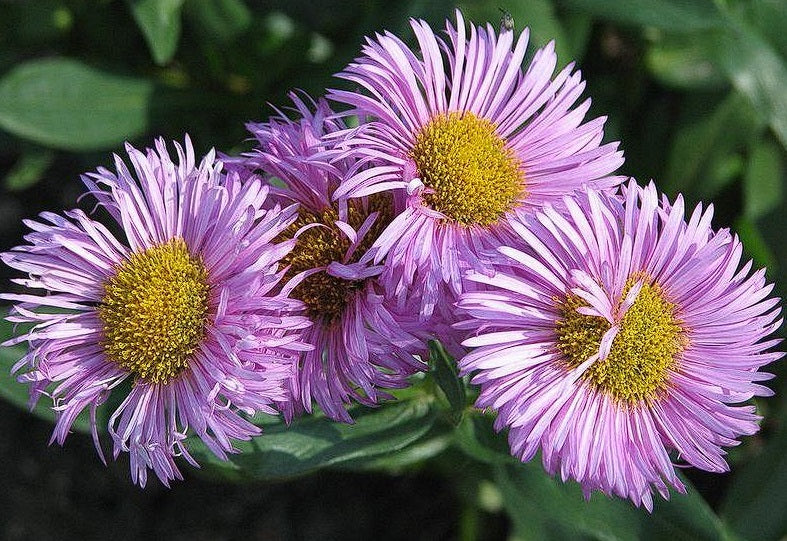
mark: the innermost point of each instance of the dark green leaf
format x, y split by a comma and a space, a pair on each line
702, 141
682, 61
543, 507
720, 172
35, 23
222, 20
757, 497
757, 71
544, 25
423, 449
159, 21
314, 441
754, 243
770, 18
577, 30
29, 169
684, 517
63, 103
762, 184
476, 437
671, 15
444, 373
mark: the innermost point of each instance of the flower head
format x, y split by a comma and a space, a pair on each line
468, 138
182, 307
618, 335
363, 341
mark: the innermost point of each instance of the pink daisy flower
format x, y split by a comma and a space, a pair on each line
181, 309
363, 341
618, 340
466, 137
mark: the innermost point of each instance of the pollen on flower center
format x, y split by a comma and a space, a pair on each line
326, 296
154, 311
646, 347
476, 178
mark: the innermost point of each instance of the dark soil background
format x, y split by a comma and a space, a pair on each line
49, 492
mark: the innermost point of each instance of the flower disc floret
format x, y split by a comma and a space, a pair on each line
154, 311
474, 177
644, 351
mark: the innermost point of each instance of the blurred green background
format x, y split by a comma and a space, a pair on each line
696, 91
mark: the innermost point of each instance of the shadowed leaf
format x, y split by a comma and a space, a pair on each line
314, 442
159, 21
675, 15
65, 104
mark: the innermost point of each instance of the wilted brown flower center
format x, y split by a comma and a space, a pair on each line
326, 296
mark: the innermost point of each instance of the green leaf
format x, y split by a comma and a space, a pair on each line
444, 373
701, 141
770, 18
682, 61
577, 30
545, 26
475, 436
33, 24
757, 72
755, 244
159, 21
431, 445
672, 15
720, 172
222, 20
314, 441
762, 184
29, 169
757, 497
542, 507
65, 104
684, 517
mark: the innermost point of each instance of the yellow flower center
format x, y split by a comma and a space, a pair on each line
154, 311
476, 178
645, 349
326, 296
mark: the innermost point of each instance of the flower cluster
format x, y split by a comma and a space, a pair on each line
451, 194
